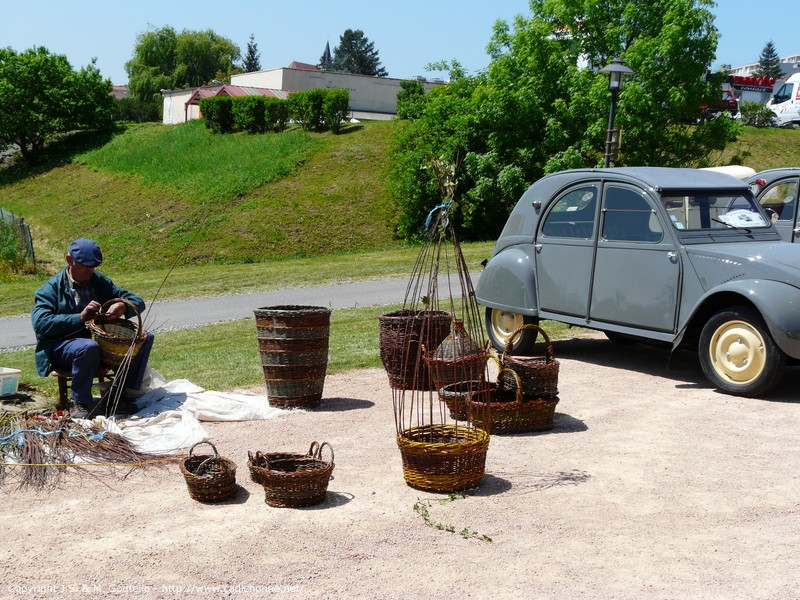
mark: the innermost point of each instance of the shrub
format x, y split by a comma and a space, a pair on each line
276, 113
218, 113
306, 108
335, 107
757, 114
248, 114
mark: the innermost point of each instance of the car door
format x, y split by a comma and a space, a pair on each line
565, 251
780, 201
637, 273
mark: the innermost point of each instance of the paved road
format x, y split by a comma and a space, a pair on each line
16, 332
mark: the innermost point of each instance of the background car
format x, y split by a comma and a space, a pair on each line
681, 257
776, 190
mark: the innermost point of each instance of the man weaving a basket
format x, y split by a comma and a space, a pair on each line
65, 307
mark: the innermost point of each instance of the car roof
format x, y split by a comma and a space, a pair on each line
665, 178
770, 175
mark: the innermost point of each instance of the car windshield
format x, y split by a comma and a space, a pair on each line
709, 211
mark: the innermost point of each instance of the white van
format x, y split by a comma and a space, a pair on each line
786, 102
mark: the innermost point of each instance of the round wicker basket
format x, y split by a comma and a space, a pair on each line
209, 477
443, 458
117, 339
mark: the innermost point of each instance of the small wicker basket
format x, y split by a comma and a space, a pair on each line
256, 461
117, 339
209, 477
291, 480
500, 410
539, 374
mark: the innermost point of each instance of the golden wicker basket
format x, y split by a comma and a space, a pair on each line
443, 458
117, 339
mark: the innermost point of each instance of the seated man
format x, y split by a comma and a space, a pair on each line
62, 307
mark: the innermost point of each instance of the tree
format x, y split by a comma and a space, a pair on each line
356, 54
535, 110
41, 96
769, 63
252, 60
164, 59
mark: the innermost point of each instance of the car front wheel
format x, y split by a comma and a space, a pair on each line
738, 355
501, 324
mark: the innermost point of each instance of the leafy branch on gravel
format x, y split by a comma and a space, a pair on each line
421, 508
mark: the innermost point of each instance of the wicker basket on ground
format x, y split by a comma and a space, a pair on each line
443, 458
117, 339
209, 477
256, 461
292, 481
455, 396
402, 334
538, 374
501, 410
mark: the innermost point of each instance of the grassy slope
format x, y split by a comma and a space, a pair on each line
143, 196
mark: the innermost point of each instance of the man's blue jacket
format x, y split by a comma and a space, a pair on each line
55, 316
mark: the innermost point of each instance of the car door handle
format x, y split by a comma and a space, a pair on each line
537, 247
672, 256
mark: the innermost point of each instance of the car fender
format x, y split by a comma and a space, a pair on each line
776, 301
509, 281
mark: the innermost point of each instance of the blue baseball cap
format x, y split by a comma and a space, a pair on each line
86, 252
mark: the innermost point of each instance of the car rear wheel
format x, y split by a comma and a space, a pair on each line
738, 355
500, 324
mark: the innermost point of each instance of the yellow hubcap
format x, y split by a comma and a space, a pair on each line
737, 352
505, 323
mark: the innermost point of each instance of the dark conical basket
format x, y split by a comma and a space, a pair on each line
402, 335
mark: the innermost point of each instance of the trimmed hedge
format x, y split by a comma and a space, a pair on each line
313, 110
218, 113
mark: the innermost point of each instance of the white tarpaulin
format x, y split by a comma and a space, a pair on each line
169, 414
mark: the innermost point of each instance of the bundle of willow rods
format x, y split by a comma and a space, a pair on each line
39, 451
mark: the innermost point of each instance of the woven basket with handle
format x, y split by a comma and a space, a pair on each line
118, 339
209, 477
292, 480
502, 410
538, 374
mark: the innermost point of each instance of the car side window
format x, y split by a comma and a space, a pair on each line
779, 200
572, 215
628, 217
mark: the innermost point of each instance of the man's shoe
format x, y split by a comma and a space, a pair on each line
77, 411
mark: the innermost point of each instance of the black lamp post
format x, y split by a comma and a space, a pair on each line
616, 70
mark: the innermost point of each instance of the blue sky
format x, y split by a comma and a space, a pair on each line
408, 35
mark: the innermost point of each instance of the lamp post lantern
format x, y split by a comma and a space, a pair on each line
616, 70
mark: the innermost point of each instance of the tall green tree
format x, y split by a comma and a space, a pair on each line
356, 54
164, 59
769, 63
41, 96
538, 108
252, 58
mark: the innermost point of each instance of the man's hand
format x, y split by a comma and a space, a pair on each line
90, 312
116, 311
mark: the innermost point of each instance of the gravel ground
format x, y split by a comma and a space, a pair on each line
650, 485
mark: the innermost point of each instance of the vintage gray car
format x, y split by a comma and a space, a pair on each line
681, 257
776, 190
